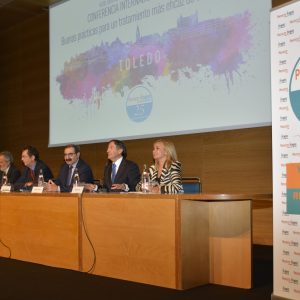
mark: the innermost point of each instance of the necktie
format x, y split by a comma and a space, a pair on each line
31, 174
113, 172
69, 178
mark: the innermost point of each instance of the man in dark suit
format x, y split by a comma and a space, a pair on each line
8, 168
120, 174
73, 164
127, 173
33, 167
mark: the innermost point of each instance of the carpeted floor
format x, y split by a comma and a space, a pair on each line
22, 280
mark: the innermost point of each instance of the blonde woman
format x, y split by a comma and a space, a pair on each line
166, 170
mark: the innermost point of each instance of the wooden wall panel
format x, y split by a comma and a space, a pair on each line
279, 2
226, 161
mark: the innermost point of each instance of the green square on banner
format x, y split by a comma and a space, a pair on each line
293, 201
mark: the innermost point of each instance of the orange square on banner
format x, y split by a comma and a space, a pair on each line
293, 176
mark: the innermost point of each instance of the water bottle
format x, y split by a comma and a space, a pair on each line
4, 179
145, 180
41, 178
76, 178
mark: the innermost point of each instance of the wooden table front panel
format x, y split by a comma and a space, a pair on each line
40, 228
230, 243
134, 237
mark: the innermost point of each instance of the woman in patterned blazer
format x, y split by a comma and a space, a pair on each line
166, 170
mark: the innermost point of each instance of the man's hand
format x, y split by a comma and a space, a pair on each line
118, 186
90, 187
51, 186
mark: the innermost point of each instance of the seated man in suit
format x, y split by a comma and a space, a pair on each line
8, 168
73, 163
33, 167
120, 174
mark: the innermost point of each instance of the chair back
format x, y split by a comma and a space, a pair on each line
191, 185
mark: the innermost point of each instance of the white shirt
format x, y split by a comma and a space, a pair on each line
117, 163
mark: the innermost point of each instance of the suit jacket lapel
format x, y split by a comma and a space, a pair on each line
120, 170
9, 172
65, 175
36, 170
78, 164
108, 170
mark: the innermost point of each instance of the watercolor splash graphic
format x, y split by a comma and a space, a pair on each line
219, 44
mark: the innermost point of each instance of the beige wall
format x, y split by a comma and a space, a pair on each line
226, 161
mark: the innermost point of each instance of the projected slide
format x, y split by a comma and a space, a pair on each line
139, 68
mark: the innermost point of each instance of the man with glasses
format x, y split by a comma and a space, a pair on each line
73, 164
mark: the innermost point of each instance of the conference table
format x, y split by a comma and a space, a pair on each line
174, 241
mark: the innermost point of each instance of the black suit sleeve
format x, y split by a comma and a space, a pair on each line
19, 184
13, 174
106, 179
85, 174
61, 181
133, 176
47, 173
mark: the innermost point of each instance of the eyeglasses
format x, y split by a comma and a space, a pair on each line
68, 154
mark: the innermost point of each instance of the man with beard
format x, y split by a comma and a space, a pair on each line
73, 164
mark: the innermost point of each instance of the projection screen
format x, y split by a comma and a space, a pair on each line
129, 69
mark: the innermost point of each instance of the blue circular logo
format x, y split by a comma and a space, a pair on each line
139, 104
294, 89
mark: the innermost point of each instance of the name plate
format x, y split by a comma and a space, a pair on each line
5, 188
77, 189
37, 189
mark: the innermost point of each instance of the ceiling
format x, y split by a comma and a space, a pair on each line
13, 12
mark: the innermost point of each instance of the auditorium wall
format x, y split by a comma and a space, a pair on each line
226, 161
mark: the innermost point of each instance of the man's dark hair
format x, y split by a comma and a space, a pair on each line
32, 151
120, 145
75, 147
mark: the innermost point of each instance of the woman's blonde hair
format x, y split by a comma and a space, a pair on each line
170, 151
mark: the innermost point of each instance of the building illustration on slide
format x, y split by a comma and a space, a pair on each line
221, 45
